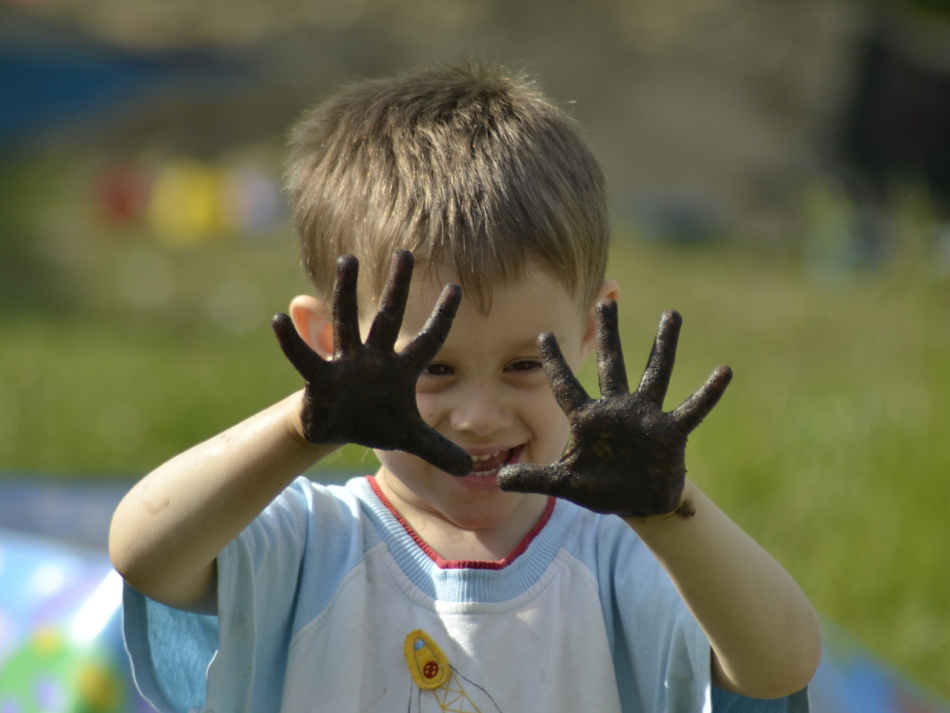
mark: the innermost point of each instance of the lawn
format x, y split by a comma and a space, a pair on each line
829, 447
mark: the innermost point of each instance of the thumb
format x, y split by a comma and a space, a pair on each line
429, 445
534, 478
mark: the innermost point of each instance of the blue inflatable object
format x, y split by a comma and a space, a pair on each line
851, 680
60, 630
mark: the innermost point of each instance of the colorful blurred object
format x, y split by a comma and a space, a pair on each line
186, 202
60, 633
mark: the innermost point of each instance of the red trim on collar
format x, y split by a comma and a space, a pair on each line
442, 563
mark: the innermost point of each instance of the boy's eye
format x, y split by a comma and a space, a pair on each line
438, 370
525, 365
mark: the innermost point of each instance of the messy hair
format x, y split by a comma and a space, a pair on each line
468, 167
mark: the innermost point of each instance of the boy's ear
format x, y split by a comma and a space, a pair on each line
311, 317
610, 290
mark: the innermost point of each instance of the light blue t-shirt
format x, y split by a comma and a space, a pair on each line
329, 602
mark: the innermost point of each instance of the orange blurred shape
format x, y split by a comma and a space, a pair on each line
122, 193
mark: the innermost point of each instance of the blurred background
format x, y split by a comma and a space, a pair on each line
779, 173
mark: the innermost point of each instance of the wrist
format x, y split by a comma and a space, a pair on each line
293, 421
681, 514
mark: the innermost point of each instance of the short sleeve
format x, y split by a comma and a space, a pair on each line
237, 660
725, 702
661, 655
169, 669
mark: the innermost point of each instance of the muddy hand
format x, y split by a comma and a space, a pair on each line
366, 393
625, 454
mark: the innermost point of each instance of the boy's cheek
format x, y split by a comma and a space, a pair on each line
547, 422
428, 408
428, 384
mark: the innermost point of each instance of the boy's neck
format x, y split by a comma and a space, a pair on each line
452, 542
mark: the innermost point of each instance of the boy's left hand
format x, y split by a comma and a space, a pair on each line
625, 454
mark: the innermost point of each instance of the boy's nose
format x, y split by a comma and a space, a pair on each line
481, 411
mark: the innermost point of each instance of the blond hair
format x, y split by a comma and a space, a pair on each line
468, 167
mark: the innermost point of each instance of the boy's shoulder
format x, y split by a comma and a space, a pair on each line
304, 498
305, 520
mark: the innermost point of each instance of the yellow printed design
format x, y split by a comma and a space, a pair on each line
427, 664
431, 672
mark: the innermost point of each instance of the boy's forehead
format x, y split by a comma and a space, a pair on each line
535, 294
498, 288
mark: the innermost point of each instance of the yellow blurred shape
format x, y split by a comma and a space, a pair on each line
48, 642
185, 206
98, 688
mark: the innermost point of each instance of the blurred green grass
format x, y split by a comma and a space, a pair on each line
829, 447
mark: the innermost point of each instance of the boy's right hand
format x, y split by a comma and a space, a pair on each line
366, 394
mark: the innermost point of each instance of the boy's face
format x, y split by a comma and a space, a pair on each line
486, 391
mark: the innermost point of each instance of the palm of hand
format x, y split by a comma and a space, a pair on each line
625, 454
366, 394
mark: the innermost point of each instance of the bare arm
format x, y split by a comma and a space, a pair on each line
627, 456
764, 633
168, 530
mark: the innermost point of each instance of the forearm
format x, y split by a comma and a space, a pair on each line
168, 530
763, 630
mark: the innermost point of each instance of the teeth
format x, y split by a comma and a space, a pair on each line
482, 458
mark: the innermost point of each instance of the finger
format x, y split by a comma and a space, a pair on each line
567, 389
431, 337
656, 378
611, 373
691, 412
534, 478
346, 317
385, 329
305, 360
437, 450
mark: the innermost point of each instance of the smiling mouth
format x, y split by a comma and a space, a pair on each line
488, 465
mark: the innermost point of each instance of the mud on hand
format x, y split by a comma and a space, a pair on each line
625, 455
366, 393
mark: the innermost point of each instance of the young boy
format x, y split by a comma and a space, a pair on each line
484, 567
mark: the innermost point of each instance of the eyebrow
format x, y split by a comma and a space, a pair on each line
525, 344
